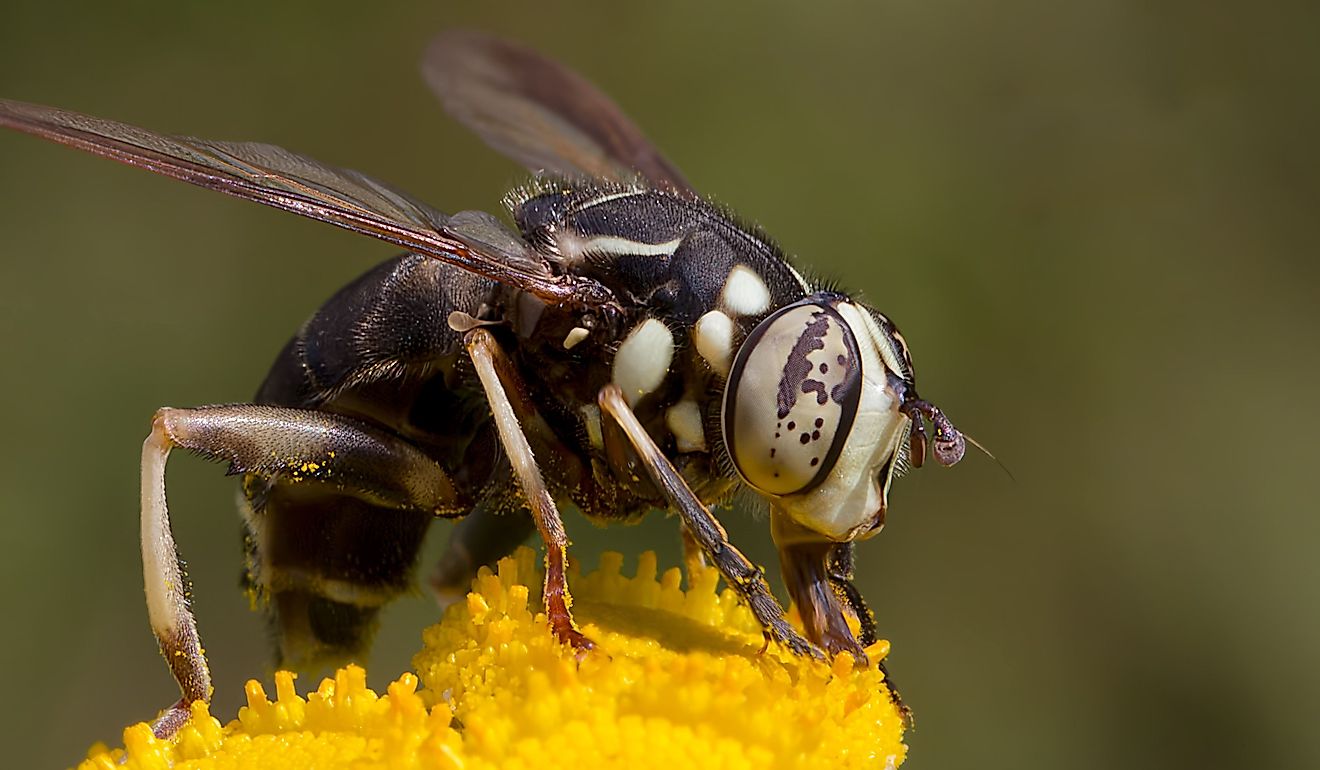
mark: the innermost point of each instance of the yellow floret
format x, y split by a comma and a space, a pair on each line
678, 680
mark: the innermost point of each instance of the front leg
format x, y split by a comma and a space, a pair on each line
745, 578
840, 572
805, 573
493, 368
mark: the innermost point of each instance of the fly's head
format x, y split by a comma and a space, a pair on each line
821, 411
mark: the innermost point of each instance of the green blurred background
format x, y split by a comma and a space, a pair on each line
1095, 223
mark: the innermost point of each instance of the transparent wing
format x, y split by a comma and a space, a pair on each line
540, 113
285, 180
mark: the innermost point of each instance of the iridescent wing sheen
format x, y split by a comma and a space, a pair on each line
540, 113
285, 180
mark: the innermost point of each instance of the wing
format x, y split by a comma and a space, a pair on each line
540, 113
285, 180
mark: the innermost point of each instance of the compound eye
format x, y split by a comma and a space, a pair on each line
791, 398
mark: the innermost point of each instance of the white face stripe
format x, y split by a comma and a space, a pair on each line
643, 360
744, 292
713, 337
888, 355
684, 421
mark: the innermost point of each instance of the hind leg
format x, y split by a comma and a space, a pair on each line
292, 445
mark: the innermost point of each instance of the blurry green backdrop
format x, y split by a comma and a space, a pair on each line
1094, 221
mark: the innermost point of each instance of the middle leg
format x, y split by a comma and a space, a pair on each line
491, 363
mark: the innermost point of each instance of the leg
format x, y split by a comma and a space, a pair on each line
745, 578
840, 570
291, 445
804, 567
489, 361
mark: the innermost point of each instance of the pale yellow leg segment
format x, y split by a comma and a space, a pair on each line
488, 358
167, 587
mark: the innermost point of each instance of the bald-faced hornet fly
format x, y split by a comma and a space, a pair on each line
630, 347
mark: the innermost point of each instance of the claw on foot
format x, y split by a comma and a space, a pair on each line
571, 637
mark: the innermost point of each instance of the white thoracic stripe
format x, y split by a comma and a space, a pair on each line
806, 287
606, 198
613, 244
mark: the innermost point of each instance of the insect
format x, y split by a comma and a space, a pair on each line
628, 347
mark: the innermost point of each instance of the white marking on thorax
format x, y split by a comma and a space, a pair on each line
684, 421
744, 292
606, 198
575, 335
642, 361
806, 287
614, 244
591, 421
572, 246
713, 337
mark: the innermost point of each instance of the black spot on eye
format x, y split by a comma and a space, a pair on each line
815, 435
792, 425
824, 368
804, 438
772, 451
815, 461
820, 422
840, 392
817, 387
776, 435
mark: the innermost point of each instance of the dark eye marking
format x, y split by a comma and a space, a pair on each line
797, 367
817, 387
840, 391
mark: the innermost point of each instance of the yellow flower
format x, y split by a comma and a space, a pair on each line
678, 679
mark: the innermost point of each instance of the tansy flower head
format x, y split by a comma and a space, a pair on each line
678, 679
